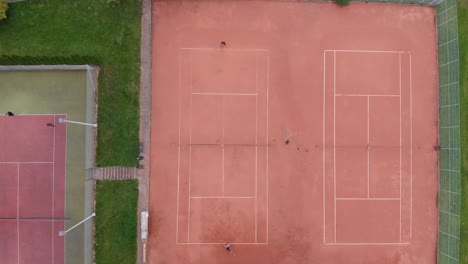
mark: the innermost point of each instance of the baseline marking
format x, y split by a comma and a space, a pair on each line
370, 95
219, 49
367, 244
26, 162
222, 197
370, 51
368, 199
223, 94
221, 243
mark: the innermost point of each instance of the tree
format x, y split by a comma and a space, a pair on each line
3, 9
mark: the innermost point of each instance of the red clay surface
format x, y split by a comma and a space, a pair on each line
353, 89
32, 186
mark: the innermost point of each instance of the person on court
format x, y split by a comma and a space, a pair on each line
222, 44
50, 125
10, 113
228, 247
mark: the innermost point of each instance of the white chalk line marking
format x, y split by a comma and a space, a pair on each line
323, 144
267, 148
256, 145
370, 51
27, 162
367, 199
411, 146
227, 94
334, 142
222, 145
222, 197
399, 58
367, 244
190, 149
221, 243
178, 148
225, 49
53, 193
368, 148
370, 95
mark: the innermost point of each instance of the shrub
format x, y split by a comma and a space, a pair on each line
3, 9
343, 2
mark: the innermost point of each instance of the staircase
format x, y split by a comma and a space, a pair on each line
115, 173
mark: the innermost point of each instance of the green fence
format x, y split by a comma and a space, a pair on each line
449, 134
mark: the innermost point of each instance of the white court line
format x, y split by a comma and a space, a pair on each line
65, 187
323, 143
190, 152
267, 147
370, 95
367, 244
399, 58
368, 199
369, 51
222, 145
178, 151
368, 149
334, 141
17, 212
256, 148
222, 197
27, 162
227, 94
411, 146
221, 243
38, 114
227, 49
53, 194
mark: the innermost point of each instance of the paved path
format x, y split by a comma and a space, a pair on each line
145, 120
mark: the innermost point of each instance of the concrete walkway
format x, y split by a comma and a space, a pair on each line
145, 122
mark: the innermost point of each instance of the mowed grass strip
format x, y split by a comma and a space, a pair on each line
89, 28
116, 222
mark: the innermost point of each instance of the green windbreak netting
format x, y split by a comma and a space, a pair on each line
449, 134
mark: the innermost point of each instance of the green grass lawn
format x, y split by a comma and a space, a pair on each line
463, 40
116, 222
89, 28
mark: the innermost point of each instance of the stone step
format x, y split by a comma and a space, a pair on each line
115, 173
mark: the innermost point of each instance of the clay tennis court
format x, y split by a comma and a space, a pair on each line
32, 189
308, 138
